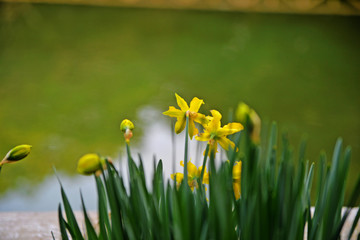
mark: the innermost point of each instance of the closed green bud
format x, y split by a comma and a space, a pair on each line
17, 153
90, 163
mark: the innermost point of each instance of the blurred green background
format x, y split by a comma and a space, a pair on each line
70, 74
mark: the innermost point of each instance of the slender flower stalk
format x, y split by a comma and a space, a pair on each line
204, 162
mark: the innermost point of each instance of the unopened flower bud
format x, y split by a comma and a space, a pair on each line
126, 124
242, 111
247, 116
90, 163
17, 153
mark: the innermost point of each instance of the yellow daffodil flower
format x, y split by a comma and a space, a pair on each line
194, 174
191, 112
237, 179
214, 133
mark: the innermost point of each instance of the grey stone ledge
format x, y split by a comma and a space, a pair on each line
39, 225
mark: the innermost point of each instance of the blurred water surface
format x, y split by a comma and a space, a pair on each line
70, 74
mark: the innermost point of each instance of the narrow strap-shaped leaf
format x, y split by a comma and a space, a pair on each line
52, 235
70, 216
117, 228
104, 223
63, 232
354, 196
91, 234
356, 220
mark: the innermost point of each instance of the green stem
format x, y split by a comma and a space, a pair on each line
186, 149
128, 151
204, 163
130, 162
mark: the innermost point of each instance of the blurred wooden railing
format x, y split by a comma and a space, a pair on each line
339, 7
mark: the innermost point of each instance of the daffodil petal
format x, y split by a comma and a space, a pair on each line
206, 178
230, 128
225, 143
192, 170
195, 104
192, 129
179, 177
237, 171
181, 103
237, 189
180, 124
173, 112
202, 119
205, 136
215, 123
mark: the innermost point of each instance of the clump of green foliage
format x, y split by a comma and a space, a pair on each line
274, 203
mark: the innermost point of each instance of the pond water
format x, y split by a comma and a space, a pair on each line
70, 74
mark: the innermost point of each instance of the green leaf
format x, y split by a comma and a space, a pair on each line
70, 216
63, 232
104, 224
91, 234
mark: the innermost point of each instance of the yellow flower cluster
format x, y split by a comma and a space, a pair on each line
213, 132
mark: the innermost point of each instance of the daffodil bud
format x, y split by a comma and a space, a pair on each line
90, 163
17, 153
127, 126
242, 111
248, 116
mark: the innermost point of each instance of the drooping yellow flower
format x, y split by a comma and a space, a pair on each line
17, 153
91, 163
191, 112
194, 174
237, 179
214, 133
